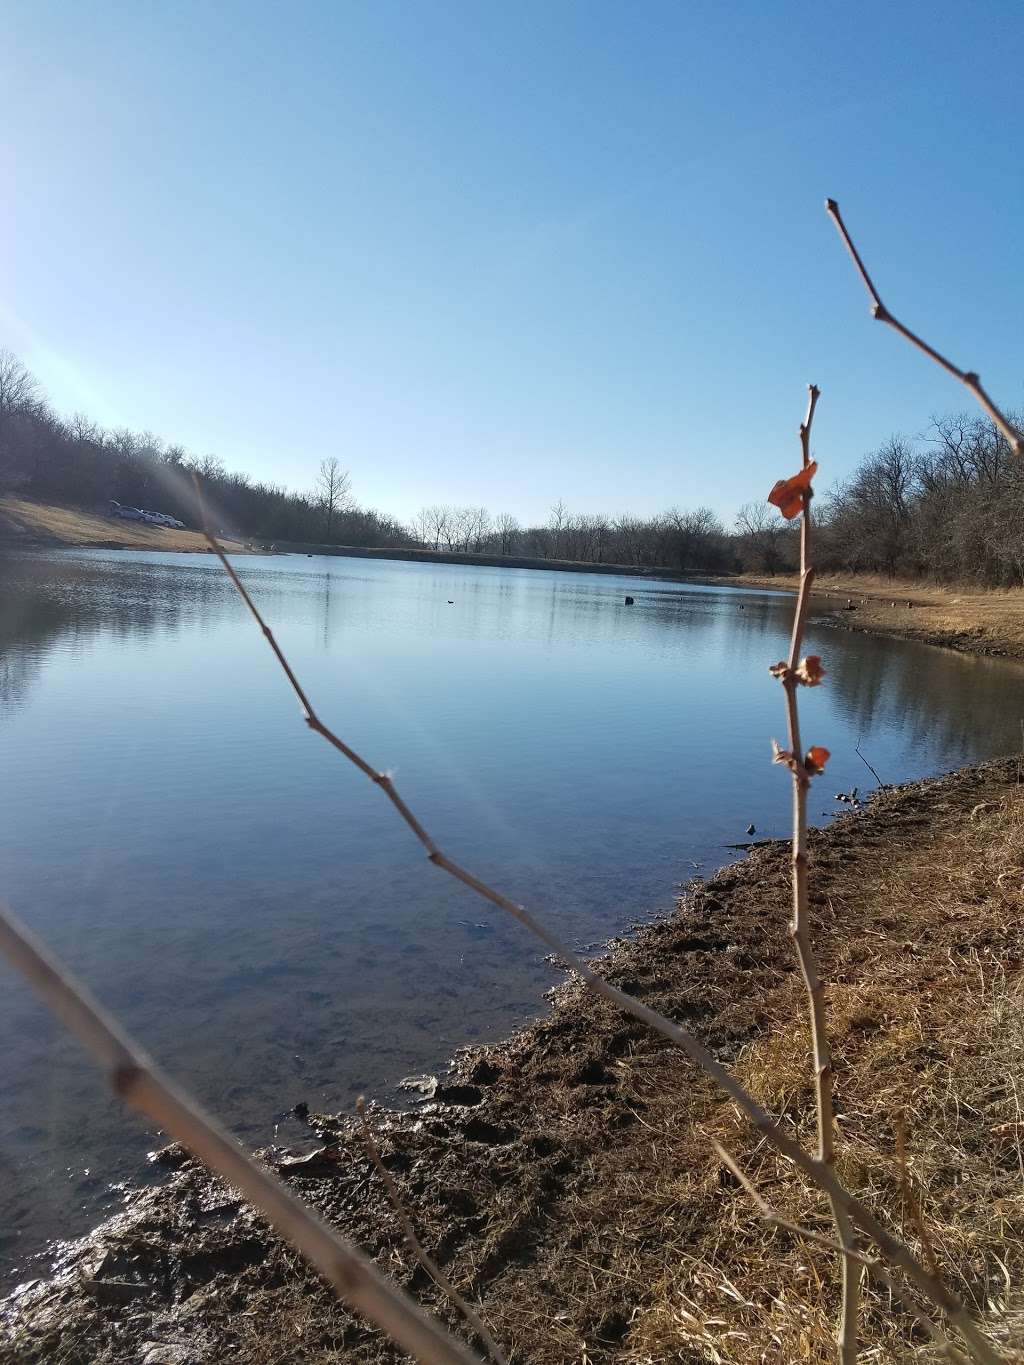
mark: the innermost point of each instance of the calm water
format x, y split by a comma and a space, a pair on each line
249, 904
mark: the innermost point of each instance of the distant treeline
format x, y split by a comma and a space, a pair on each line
695, 541
73, 460
947, 505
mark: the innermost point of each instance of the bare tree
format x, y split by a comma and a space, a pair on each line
764, 538
19, 391
557, 523
333, 491
477, 527
439, 517
20, 404
420, 527
507, 528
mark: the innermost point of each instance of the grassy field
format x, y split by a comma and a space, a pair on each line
31, 523
975, 620
565, 1178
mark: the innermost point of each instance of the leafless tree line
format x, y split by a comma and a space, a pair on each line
456, 529
694, 540
948, 505
74, 460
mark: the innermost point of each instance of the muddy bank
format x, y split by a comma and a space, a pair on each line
963, 618
563, 1178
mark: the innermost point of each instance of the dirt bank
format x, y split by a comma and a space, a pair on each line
973, 620
33, 524
564, 1178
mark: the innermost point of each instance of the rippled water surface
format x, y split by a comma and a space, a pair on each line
250, 905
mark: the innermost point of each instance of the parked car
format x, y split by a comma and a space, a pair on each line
118, 509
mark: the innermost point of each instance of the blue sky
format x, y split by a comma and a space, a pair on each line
506, 253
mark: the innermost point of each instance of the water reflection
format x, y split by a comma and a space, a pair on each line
248, 903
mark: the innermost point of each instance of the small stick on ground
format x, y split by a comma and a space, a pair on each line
416, 1246
856, 750
910, 1200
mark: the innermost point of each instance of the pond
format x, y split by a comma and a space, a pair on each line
250, 906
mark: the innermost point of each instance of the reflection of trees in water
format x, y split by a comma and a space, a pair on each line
55, 600
939, 698
959, 704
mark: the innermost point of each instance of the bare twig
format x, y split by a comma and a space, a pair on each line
137, 1080
869, 1263
910, 1200
819, 1172
415, 1245
968, 378
792, 678
856, 750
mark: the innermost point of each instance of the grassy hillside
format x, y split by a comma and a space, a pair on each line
33, 523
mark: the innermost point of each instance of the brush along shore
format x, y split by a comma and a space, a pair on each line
954, 616
565, 1181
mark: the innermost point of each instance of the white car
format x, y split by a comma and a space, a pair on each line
162, 519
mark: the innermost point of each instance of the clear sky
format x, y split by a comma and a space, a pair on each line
503, 253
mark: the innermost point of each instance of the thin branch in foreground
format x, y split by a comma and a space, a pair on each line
968, 378
136, 1079
817, 1171
416, 1246
869, 1263
793, 677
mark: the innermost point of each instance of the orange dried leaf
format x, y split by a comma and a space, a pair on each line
810, 671
788, 494
780, 669
816, 759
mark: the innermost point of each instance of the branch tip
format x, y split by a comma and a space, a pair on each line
968, 378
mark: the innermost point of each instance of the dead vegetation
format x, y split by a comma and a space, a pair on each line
973, 620
564, 1180
25, 522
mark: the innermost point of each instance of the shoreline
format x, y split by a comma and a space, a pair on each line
583, 1117
963, 618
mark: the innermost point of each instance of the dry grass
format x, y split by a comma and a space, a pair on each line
21, 520
926, 1023
976, 620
